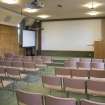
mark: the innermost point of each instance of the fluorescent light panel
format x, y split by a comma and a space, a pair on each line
95, 5
10, 1
44, 16
29, 10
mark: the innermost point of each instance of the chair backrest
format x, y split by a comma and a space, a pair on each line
37, 57
17, 64
27, 59
80, 74
28, 98
9, 58
85, 59
84, 65
75, 59
51, 100
14, 73
2, 62
9, 54
63, 72
28, 65
8, 63
2, 71
97, 60
38, 60
97, 66
52, 82
18, 59
47, 59
70, 64
89, 102
74, 85
95, 87
97, 74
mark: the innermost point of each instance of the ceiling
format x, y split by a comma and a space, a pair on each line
69, 9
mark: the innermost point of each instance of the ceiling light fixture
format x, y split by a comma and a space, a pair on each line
92, 6
93, 13
30, 10
10, 1
89, 5
43, 16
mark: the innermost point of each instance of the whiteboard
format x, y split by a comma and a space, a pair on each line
28, 38
74, 35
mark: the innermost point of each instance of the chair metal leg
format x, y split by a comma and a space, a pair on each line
87, 96
50, 91
2, 84
67, 94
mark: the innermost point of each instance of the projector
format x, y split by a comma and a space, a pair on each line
37, 4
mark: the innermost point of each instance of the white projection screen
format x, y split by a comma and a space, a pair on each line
74, 35
28, 38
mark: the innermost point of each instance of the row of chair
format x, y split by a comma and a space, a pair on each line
77, 59
84, 65
14, 70
11, 72
8, 75
26, 66
21, 64
41, 59
26, 61
8, 55
49, 59
84, 74
87, 87
29, 98
38, 61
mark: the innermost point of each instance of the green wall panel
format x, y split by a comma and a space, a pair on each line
68, 53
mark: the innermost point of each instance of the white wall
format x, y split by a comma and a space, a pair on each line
75, 35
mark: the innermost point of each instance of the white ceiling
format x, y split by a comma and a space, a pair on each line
69, 9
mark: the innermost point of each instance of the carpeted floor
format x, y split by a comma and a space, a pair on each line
33, 84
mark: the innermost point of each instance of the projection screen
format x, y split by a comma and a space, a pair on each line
28, 38
74, 35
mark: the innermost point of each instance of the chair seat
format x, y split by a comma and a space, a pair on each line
18, 77
82, 78
20, 103
53, 87
63, 76
89, 102
96, 93
75, 90
97, 79
41, 65
31, 69
6, 83
2, 75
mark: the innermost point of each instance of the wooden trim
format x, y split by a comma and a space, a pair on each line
9, 26
39, 39
68, 19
